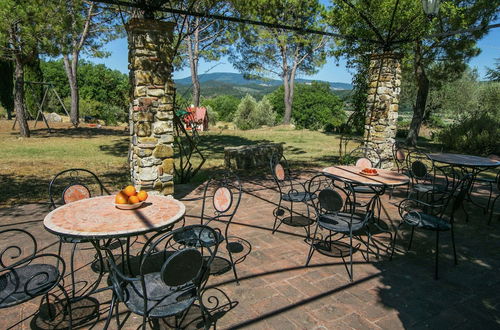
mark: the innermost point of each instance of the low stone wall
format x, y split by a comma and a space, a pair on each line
252, 156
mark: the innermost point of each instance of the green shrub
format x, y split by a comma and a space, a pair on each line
110, 114
315, 106
213, 116
477, 130
3, 112
252, 114
224, 105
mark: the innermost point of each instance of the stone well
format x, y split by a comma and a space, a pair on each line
151, 112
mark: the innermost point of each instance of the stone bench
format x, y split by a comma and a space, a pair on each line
251, 156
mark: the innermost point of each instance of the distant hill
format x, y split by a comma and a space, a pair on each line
235, 84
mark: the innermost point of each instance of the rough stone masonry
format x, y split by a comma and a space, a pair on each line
383, 104
151, 112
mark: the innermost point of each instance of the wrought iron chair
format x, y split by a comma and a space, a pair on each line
171, 277
422, 215
365, 157
221, 199
399, 154
336, 212
426, 178
291, 191
69, 186
492, 201
25, 274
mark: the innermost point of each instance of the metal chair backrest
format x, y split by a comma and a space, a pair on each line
179, 264
459, 192
74, 184
399, 153
366, 157
334, 195
221, 198
420, 166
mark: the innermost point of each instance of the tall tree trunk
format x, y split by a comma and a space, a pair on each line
194, 57
7, 87
71, 68
288, 99
19, 97
420, 102
196, 83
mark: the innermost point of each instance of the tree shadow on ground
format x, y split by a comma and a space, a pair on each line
119, 148
32, 189
463, 296
80, 132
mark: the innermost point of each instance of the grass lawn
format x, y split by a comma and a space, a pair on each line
28, 164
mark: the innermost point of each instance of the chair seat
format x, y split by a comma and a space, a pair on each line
363, 190
192, 237
425, 188
427, 221
74, 240
162, 300
298, 197
339, 222
38, 279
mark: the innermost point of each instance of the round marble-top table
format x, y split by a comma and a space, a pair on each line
464, 160
353, 174
97, 218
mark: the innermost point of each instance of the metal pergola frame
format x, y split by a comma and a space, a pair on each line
386, 42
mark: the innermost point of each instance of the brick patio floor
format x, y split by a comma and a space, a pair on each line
278, 292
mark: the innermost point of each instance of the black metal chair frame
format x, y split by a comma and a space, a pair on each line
290, 191
340, 210
182, 272
414, 213
365, 152
74, 176
39, 282
490, 205
424, 175
399, 155
228, 183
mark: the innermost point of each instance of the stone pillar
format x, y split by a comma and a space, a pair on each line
383, 104
151, 112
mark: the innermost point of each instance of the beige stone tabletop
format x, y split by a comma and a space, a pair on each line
98, 217
352, 173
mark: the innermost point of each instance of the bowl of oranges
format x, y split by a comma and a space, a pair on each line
128, 198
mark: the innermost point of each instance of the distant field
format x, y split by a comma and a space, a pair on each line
28, 164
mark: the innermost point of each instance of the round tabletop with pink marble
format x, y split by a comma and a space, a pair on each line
98, 217
353, 174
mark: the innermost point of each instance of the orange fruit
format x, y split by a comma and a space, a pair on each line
142, 195
133, 199
121, 198
129, 191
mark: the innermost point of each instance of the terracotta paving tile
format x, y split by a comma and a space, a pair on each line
278, 292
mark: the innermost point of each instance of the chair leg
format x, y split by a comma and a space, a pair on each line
411, 238
233, 266
395, 238
110, 314
72, 269
437, 254
311, 249
453, 243
351, 275
492, 209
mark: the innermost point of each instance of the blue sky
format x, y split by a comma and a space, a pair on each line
331, 71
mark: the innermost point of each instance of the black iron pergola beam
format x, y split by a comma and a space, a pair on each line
232, 19
382, 41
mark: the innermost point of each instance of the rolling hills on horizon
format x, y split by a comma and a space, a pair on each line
235, 84
231, 78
